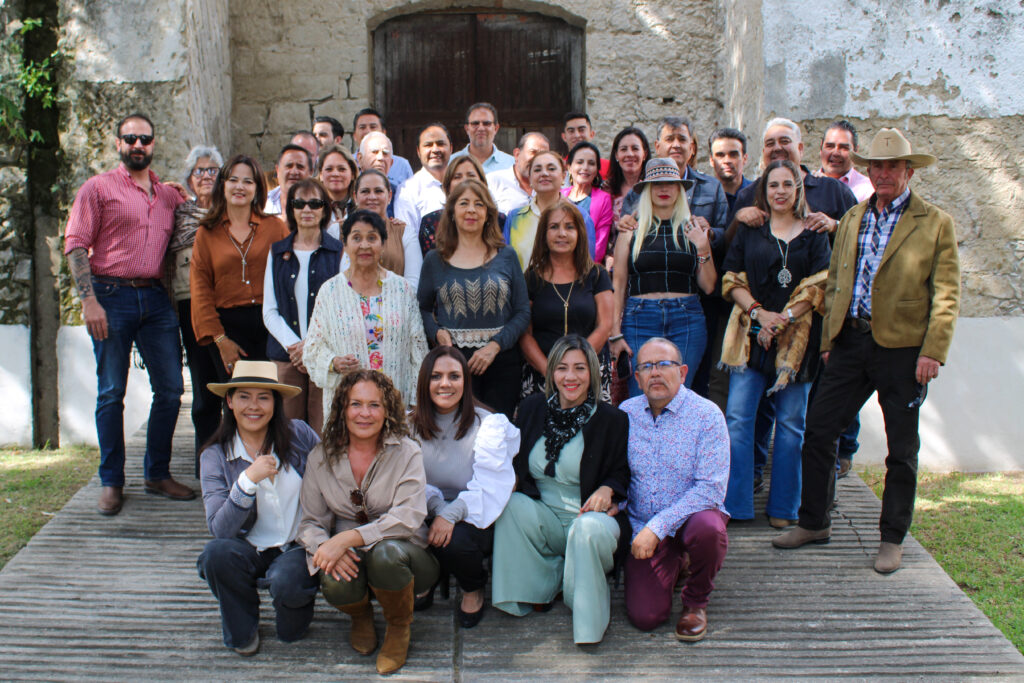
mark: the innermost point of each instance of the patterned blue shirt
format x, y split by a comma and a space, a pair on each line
866, 261
679, 462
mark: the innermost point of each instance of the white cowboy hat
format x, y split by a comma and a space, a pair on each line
254, 374
890, 145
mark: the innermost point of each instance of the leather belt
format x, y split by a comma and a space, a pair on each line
137, 282
861, 325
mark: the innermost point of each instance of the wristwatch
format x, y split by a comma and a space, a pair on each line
753, 314
789, 314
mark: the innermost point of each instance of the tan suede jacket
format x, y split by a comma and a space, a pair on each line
915, 296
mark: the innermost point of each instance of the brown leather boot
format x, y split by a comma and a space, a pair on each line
397, 609
363, 637
111, 500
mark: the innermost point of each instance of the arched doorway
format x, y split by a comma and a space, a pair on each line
430, 66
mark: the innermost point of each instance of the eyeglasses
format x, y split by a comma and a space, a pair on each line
356, 498
301, 204
479, 124
922, 393
212, 171
663, 364
131, 138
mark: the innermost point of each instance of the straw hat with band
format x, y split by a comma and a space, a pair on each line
890, 145
254, 374
662, 170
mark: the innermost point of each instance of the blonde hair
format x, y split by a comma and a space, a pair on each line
647, 222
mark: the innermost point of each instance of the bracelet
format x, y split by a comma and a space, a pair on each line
752, 307
218, 340
789, 314
701, 260
616, 337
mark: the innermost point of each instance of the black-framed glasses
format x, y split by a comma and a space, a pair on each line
212, 171
922, 393
356, 498
663, 364
300, 204
130, 139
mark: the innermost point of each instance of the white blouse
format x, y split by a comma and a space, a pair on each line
277, 503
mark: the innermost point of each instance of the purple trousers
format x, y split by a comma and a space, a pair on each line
649, 583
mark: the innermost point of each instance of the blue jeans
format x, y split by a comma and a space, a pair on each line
235, 570
143, 316
745, 391
680, 320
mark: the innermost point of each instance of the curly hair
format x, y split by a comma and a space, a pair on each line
336, 435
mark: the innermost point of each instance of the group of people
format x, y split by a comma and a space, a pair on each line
566, 364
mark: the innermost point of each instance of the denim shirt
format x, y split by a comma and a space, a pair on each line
324, 264
230, 512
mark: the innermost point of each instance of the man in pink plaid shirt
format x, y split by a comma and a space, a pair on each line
115, 241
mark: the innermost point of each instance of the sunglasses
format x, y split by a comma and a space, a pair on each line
922, 394
200, 172
356, 497
301, 204
131, 138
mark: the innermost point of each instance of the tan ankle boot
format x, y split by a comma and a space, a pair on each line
362, 636
397, 609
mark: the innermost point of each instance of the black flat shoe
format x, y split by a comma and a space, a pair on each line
425, 602
469, 619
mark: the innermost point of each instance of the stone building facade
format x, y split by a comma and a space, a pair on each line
244, 75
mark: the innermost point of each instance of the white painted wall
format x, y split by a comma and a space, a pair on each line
77, 403
973, 418
871, 58
16, 401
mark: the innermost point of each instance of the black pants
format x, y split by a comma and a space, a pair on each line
205, 405
498, 387
244, 326
464, 555
856, 368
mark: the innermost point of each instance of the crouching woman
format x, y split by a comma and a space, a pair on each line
364, 507
251, 472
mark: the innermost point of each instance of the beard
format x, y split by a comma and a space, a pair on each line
136, 161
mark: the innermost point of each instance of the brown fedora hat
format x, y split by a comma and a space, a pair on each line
254, 374
890, 145
662, 170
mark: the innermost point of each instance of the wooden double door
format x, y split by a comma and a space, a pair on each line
430, 66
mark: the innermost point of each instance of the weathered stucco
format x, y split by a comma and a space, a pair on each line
644, 60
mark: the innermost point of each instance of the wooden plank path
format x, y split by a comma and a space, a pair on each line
95, 598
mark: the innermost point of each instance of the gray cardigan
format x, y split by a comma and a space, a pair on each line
230, 511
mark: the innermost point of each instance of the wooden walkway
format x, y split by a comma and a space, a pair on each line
97, 598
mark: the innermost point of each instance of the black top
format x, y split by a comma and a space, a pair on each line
827, 195
661, 266
548, 313
604, 462
760, 254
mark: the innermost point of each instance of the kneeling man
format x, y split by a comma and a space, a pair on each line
679, 460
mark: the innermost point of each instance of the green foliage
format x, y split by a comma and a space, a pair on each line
25, 78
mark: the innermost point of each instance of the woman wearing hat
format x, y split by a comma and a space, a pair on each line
252, 472
663, 265
364, 507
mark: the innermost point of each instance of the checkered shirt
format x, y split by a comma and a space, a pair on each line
869, 258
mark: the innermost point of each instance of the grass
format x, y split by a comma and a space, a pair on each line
34, 485
973, 525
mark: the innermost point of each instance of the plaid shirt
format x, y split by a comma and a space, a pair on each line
868, 262
125, 230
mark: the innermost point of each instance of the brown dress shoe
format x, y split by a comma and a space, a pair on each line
168, 488
111, 500
798, 536
693, 624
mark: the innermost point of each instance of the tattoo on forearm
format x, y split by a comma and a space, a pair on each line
78, 260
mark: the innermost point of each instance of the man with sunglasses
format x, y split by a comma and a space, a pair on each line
679, 467
116, 239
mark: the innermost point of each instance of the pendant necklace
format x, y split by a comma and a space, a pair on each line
248, 243
785, 276
565, 305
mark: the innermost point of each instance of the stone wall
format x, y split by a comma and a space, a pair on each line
290, 62
15, 217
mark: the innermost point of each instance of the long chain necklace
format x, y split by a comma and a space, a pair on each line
565, 305
244, 254
785, 276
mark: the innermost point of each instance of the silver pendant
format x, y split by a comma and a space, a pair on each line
785, 277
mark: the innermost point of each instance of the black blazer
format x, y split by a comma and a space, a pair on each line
604, 463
